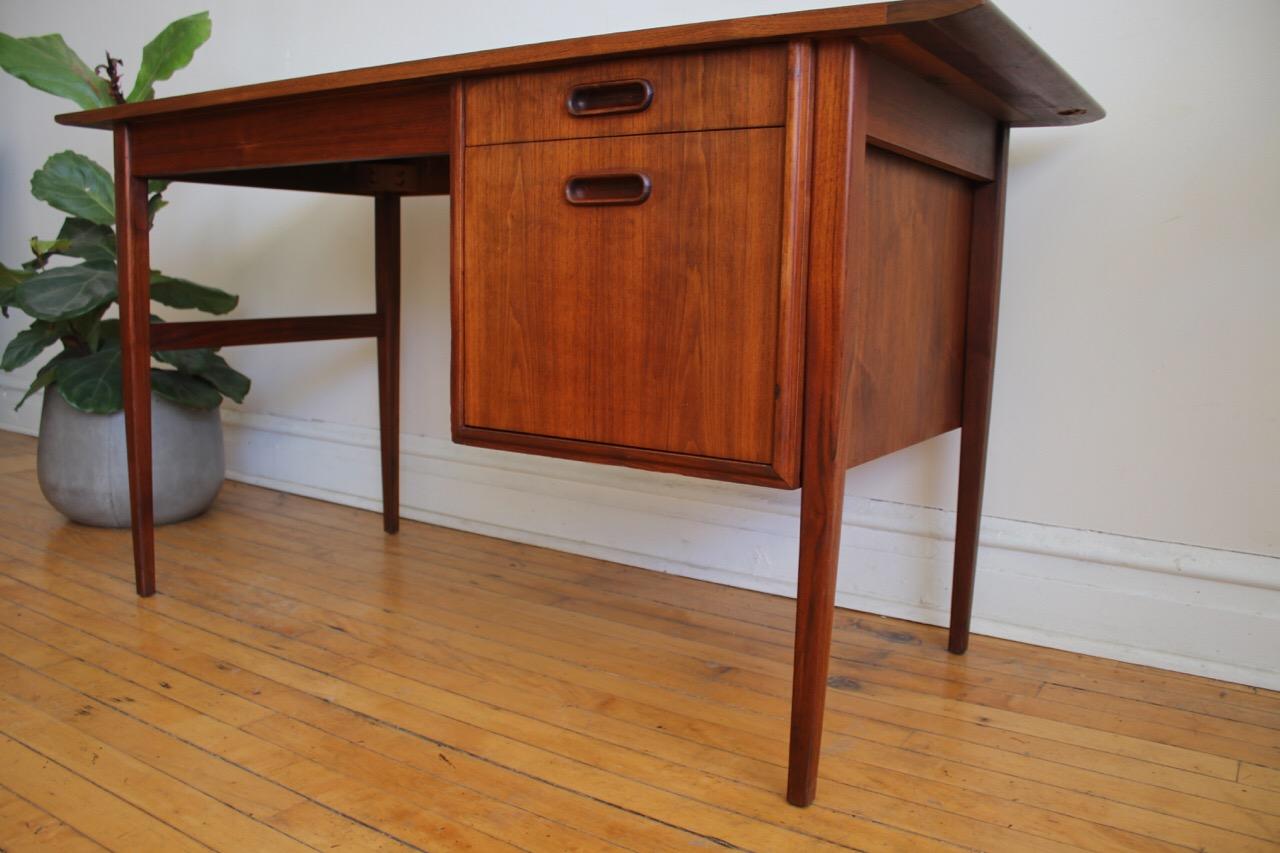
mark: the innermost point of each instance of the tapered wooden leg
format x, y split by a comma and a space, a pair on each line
387, 283
979, 365
135, 352
835, 253
821, 508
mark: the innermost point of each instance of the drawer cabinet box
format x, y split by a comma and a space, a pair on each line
627, 284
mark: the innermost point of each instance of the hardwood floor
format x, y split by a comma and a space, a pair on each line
303, 681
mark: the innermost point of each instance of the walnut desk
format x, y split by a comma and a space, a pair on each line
762, 250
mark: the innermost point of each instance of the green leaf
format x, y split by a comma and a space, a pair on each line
65, 292
153, 207
180, 293
227, 379
170, 50
188, 360
48, 247
48, 64
44, 377
156, 185
86, 327
75, 184
9, 281
210, 366
28, 344
92, 383
87, 240
189, 391
93, 338
12, 278
109, 330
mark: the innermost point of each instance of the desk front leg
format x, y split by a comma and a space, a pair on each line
134, 287
835, 253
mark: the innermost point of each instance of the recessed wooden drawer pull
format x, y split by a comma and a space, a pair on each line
608, 188
616, 96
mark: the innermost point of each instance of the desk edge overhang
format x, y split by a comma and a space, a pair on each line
971, 36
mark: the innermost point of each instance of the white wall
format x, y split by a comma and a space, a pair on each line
1137, 397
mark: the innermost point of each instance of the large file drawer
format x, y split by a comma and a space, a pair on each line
625, 292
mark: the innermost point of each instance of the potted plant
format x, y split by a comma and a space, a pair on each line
68, 288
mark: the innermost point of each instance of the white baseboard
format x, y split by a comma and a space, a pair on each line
1197, 610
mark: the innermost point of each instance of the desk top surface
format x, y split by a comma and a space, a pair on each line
965, 46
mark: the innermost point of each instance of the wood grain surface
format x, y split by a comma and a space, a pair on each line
968, 46
982, 312
651, 325
402, 120
305, 681
908, 369
837, 245
915, 118
707, 90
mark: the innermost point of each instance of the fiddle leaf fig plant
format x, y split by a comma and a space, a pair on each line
70, 282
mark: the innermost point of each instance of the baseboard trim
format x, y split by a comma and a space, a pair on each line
1191, 609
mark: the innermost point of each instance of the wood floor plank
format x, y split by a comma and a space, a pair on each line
1263, 777
1073, 755
481, 776
191, 812
16, 464
91, 810
668, 711
1096, 832
305, 677
1147, 750
684, 593
340, 633
1184, 754
1215, 726
1259, 709
250, 794
1229, 748
698, 804
253, 794
23, 827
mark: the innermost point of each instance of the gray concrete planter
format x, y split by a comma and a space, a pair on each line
83, 472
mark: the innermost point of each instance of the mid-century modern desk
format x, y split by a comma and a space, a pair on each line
762, 250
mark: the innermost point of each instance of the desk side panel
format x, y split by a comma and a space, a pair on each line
908, 371
410, 120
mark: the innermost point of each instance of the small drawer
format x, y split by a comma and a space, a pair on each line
710, 90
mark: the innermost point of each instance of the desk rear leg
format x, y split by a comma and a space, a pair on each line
979, 365
134, 289
387, 284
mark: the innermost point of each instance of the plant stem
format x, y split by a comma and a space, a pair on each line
112, 67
